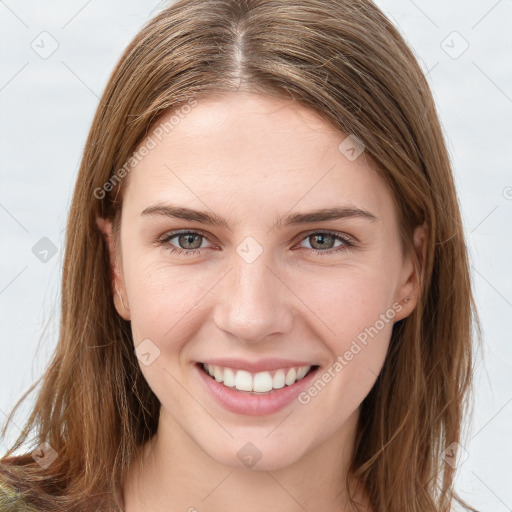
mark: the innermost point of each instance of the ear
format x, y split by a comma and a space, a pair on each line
116, 274
409, 288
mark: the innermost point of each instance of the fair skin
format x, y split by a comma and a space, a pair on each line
252, 159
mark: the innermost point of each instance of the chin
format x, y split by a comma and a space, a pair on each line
254, 455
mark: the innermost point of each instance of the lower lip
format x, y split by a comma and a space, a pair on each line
254, 405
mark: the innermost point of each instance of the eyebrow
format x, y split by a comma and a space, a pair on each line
203, 217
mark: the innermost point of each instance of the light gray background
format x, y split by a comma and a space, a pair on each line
47, 105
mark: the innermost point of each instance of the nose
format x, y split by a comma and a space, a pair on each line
253, 301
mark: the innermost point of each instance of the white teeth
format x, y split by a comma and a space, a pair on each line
243, 381
278, 380
260, 382
218, 374
301, 372
229, 378
291, 376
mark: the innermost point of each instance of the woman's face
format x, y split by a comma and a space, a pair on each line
222, 262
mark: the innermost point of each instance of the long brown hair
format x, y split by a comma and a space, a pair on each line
346, 61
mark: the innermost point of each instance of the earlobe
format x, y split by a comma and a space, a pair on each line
116, 276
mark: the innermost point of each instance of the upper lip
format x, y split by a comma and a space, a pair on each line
263, 365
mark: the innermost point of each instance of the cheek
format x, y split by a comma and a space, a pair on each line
346, 301
357, 320
163, 298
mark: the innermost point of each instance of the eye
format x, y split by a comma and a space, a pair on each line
322, 240
189, 242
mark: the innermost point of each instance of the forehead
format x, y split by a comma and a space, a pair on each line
247, 150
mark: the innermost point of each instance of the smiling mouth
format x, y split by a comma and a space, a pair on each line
256, 383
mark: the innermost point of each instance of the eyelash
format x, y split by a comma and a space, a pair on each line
165, 239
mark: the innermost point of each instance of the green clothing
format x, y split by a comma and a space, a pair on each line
12, 501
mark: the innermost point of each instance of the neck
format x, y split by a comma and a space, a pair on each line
173, 474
